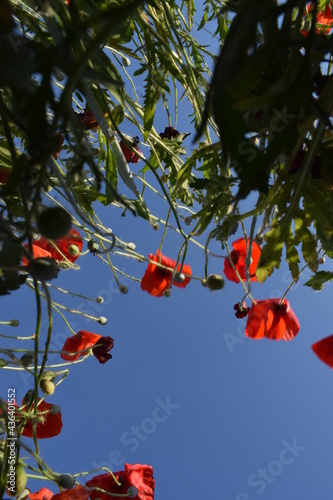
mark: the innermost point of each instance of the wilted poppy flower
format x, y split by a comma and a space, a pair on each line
156, 280
49, 422
137, 476
269, 319
170, 133
130, 156
70, 246
78, 345
242, 310
77, 493
42, 494
238, 256
324, 350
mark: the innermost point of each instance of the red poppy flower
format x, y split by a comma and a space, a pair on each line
42, 494
269, 319
170, 133
48, 425
36, 252
79, 344
238, 256
70, 246
324, 350
137, 476
77, 493
130, 156
156, 280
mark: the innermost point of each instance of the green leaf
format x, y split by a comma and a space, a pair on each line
149, 105
111, 176
317, 280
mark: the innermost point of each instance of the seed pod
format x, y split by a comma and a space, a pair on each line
43, 269
123, 289
27, 359
93, 246
179, 277
66, 481
132, 492
54, 222
215, 282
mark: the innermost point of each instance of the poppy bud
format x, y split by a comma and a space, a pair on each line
28, 397
321, 260
47, 387
102, 320
125, 61
27, 359
156, 226
43, 268
167, 293
132, 492
20, 480
66, 481
100, 300
123, 289
179, 277
131, 246
215, 282
49, 376
54, 222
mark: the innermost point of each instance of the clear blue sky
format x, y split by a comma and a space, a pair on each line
216, 414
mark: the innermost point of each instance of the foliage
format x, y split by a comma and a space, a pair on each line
79, 76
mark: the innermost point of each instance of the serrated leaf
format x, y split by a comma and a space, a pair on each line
149, 106
318, 279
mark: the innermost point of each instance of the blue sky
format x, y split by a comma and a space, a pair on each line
216, 414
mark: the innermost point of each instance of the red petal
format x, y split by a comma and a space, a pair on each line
51, 426
77, 493
42, 494
324, 350
82, 340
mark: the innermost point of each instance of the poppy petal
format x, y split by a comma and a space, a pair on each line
324, 350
